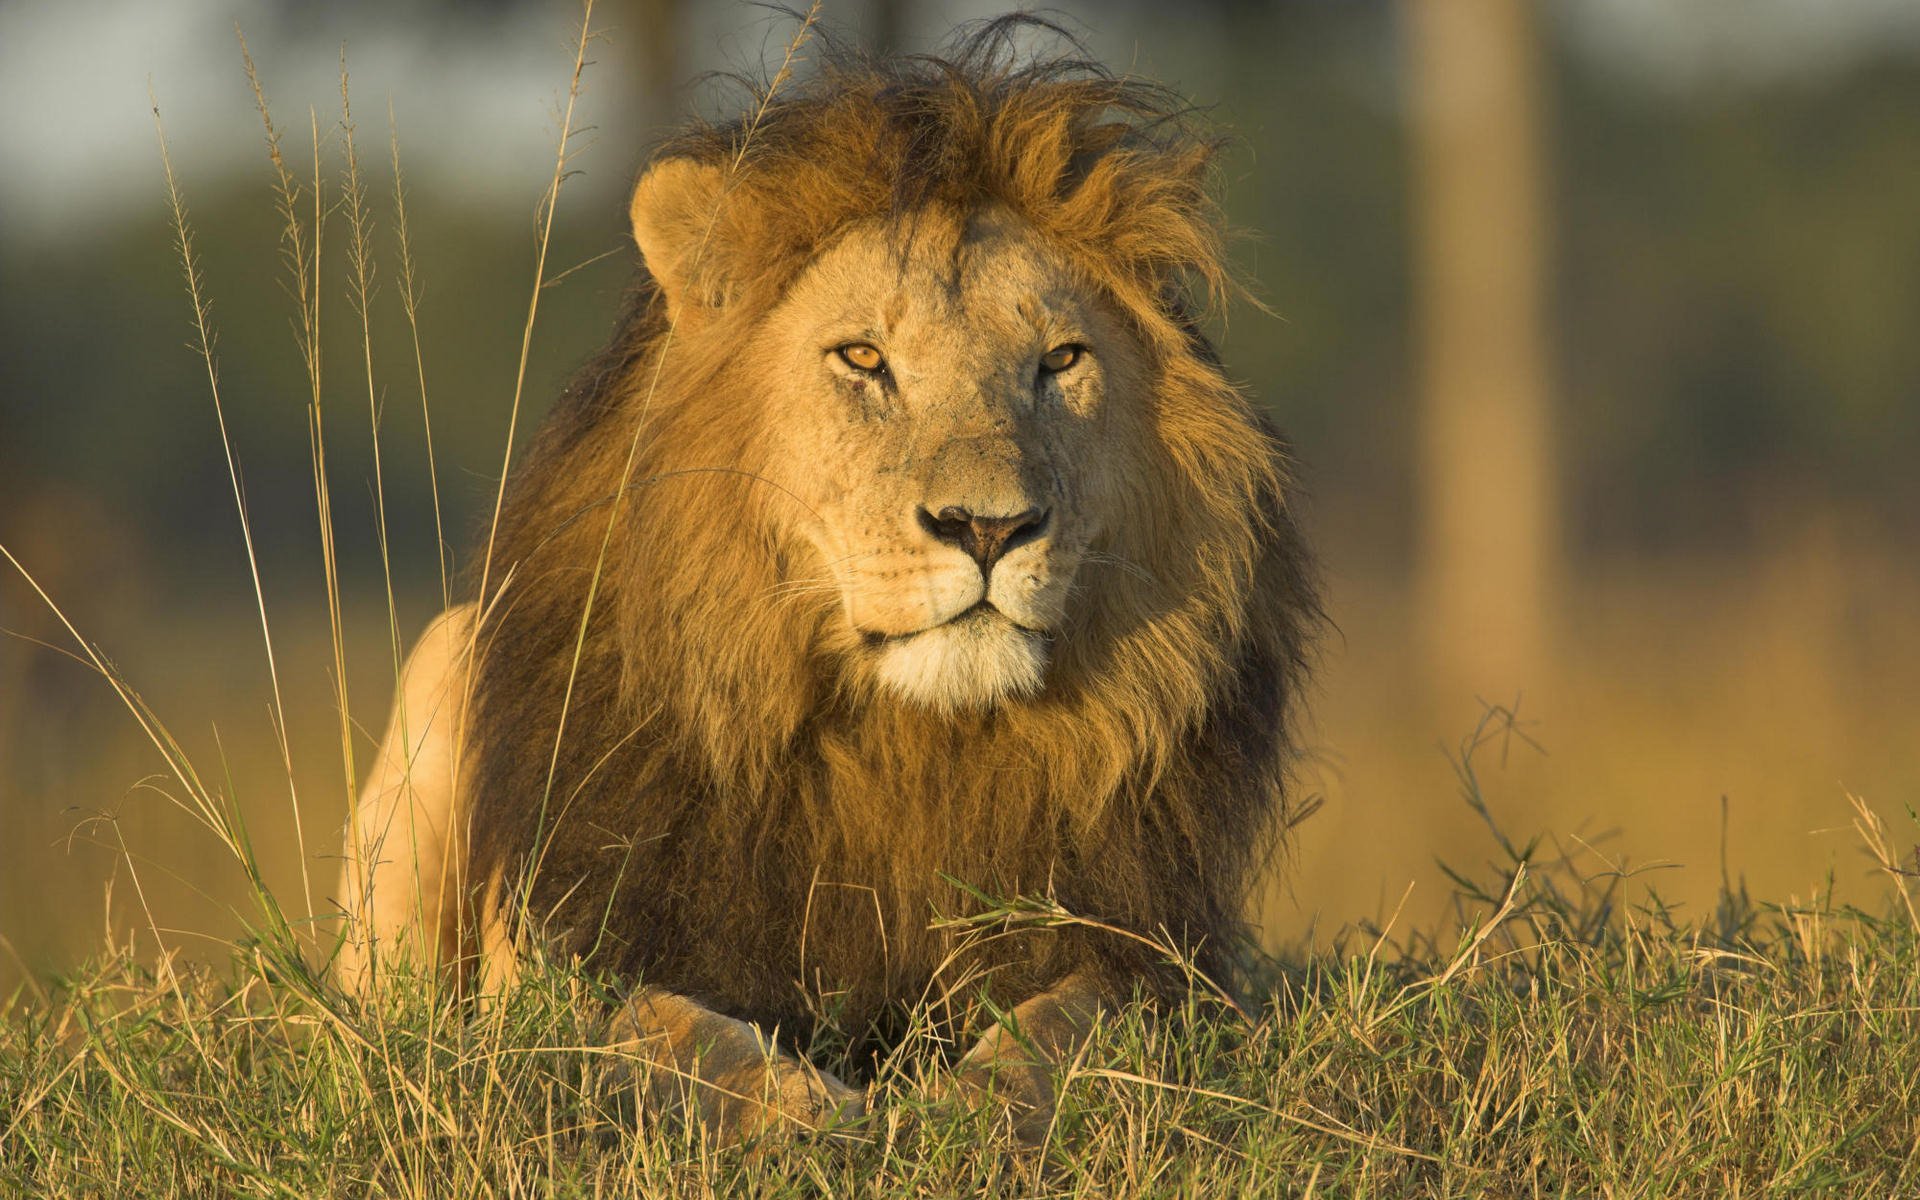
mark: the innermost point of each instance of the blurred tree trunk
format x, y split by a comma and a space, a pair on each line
886, 25
1488, 508
655, 29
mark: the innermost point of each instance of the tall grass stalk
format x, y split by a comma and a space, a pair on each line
410, 304
549, 203
204, 345
361, 291
300, 247
360, 262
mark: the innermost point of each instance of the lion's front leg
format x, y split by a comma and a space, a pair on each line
726, 1073
1017, 1063
403, 875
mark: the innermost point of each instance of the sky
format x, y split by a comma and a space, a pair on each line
78, 135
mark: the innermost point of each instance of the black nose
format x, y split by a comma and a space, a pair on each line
985, 539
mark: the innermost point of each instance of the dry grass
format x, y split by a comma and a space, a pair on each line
1566, 1044
1705, 723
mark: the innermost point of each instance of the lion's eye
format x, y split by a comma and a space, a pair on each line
861, 357
1060, 358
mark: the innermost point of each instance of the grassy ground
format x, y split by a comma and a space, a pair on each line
1564, 1045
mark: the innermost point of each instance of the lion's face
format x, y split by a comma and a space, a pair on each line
951, 405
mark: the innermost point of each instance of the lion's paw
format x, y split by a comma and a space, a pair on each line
1020, 1096
791, 1098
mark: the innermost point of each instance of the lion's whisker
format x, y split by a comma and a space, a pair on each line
798, 593
1132, 568
800, 584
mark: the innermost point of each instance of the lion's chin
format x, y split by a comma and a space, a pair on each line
969, 663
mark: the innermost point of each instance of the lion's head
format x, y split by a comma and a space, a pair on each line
915, 529
948, 412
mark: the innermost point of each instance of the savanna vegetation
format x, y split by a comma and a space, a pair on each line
1566, 1044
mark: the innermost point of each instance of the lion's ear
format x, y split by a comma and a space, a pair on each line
679, 225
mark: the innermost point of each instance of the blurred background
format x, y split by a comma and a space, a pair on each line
1596, 325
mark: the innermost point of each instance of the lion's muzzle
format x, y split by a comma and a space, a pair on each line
984, 539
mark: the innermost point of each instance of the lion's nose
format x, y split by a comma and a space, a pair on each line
985, 539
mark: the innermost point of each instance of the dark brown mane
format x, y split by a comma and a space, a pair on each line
726, 817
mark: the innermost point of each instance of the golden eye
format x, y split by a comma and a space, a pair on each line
1060, 358
861, 357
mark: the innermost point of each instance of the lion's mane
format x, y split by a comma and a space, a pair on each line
724, 815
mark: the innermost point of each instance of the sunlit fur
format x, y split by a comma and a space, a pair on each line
965, 664
741, 808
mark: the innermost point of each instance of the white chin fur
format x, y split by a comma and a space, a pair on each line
966, 664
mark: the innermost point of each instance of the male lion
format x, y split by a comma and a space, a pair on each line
907, 536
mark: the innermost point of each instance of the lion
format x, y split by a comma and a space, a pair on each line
909, 547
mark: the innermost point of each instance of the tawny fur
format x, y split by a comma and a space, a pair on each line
750, 804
